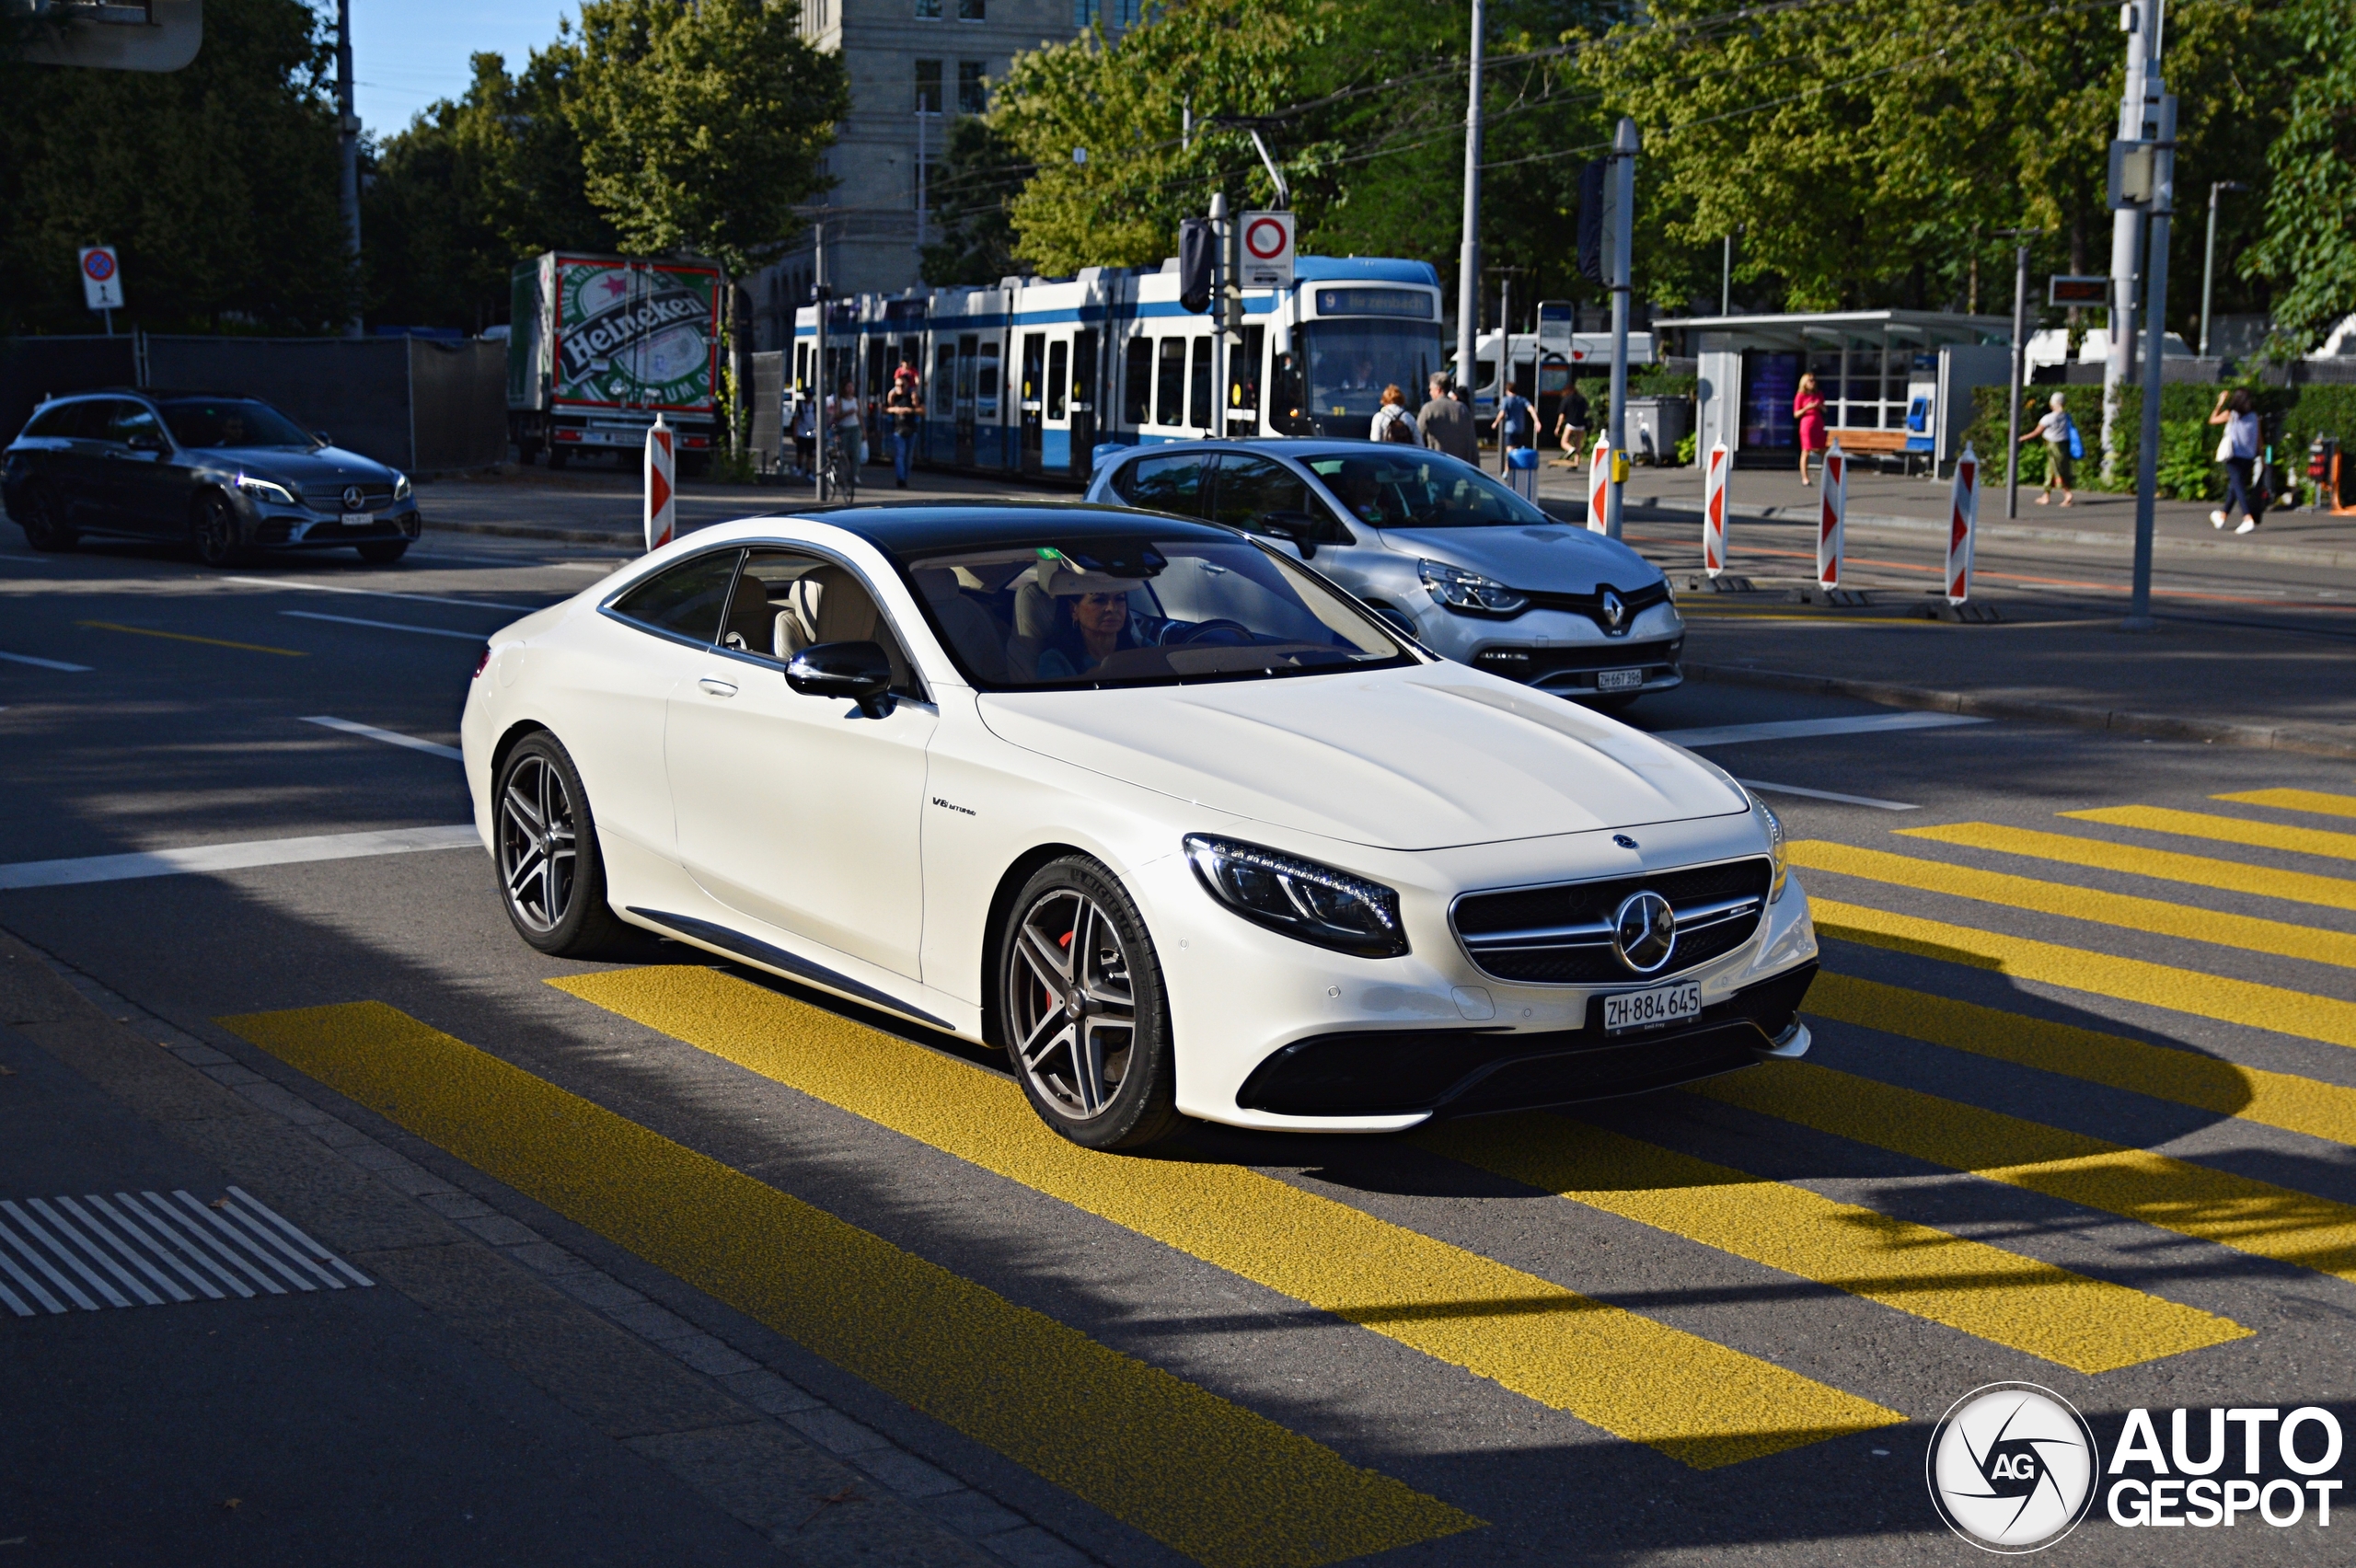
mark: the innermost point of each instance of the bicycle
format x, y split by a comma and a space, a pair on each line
842, 465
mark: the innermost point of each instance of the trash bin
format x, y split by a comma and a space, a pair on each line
1522, 471
1654, 427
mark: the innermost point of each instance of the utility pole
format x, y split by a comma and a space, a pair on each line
819, 294
921, 171
1621, 239
2140, 19
1725, 279
2156, 309
1468, 267
1220, 227
2020, 369
348, 147
2209, 257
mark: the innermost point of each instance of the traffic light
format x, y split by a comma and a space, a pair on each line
1197, 263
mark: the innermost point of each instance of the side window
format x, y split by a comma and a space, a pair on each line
92, 420
1251, 488
1170, 396
1199, 401
134, 424
54, 421
685, 601
1165, 484
785, 601
1136, 385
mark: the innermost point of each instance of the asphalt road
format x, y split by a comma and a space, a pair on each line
2078, 1114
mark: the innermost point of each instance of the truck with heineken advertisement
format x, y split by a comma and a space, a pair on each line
598, 345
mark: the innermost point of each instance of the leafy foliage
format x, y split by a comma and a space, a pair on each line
2310, 237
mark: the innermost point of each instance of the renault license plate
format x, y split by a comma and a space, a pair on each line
1655, 1008
1619, 680
357, 519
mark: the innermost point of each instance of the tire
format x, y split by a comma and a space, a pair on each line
37, 514
1092, 1049
556, 455
544, 852
384, 552
213, 533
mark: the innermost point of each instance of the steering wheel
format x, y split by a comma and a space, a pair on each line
1180, 635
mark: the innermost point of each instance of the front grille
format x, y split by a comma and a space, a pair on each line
1634, 601
1518, 662
1561, 935
329, 498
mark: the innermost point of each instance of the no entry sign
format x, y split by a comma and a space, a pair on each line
1267, 250
101, 279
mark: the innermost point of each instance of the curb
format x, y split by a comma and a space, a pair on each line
2082, 716
528, 531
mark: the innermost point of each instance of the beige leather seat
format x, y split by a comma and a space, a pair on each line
828, 605
1034, 624
746, 628
973, 632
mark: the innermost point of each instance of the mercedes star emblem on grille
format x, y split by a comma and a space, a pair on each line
1643, 929
354, 498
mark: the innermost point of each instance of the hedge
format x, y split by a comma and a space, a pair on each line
2294, 415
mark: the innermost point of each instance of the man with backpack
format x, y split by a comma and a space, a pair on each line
2062, 443
1516, 425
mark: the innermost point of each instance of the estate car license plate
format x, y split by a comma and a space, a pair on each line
1618, 680
357, 519
1652, 1009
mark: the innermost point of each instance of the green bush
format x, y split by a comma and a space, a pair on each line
1686, 446
2295, 415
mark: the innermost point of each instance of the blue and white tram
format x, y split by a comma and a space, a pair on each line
1039, 375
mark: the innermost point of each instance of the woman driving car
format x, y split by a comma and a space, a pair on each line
1090, 628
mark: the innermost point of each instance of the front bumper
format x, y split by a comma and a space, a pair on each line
286, 527
1562, 652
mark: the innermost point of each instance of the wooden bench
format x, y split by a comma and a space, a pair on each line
1877, 445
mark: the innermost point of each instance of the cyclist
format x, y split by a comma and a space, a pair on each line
842, 442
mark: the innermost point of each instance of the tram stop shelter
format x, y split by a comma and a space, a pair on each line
1896, 384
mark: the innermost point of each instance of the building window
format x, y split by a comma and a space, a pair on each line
973, 86
1085, 12
928, 87
970, 10
929, 10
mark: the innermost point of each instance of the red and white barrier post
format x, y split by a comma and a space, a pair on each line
1599, 488
1835, 480
662, 508
1963, 521
1713, 509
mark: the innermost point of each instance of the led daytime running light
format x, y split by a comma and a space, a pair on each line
1301, 898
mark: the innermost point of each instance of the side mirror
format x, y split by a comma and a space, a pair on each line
323, 438
1296, 528
145, 443
857, 671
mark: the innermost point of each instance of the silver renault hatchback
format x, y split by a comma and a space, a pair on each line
1449, 554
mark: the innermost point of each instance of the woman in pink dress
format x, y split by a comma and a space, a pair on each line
1807, 407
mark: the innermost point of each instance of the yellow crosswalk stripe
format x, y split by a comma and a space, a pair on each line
2277, 937
1204, 1476
2315, 800
2087, 1325
2286, 1011
2225, 829
2166, 865
2184, 1077
2191, 1200
1697, 1402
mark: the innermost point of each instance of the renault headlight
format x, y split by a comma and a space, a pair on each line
1301, 898
1468, 592
400, 487
1774, 847
266, 490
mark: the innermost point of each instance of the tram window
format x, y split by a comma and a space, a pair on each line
986, 380
1243, 373
1198, 402
1083, 373
1136, 386
944, 371
1170, 403
1058, 377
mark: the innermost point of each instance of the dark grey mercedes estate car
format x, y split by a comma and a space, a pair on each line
225, 475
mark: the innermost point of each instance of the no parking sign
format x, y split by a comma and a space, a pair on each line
101, 279
1267, 250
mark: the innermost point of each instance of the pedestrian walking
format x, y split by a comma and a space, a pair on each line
903, 407
1447, 424
1393, 422
2238, 450
1807, 410
1570, 424
843, 440
2062, 445
1516, 425
805, 434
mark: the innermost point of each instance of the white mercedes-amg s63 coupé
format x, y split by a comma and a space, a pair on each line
1175, 823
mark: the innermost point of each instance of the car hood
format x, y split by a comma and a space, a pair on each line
1424, 758
1553, 558
326, 467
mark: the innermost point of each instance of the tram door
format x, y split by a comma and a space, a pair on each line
968, 352
1083, 404
1032, 389
1055, 444
940, 405
990, 418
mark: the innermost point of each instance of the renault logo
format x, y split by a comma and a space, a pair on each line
354, 498
1616, 611
1643, 929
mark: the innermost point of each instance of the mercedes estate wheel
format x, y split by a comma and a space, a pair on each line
213, 533
39, 515
1083, 1012
550, 876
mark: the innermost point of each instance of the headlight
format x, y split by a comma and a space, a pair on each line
1469, 591
266, 490
1774, 847
400, 487
1301, 898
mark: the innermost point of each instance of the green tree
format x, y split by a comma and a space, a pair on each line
217, 183
968, 196
2310, 237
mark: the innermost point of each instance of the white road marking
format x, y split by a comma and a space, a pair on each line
383, 625
238, 1230
1826, 795
390, 737
1801, 728
236, 857
376, 592
46, 664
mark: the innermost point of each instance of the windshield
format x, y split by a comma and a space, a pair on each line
1422, 489
1137, 612
232, 422
1351, 361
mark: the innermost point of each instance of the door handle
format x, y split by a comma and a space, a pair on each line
717, 687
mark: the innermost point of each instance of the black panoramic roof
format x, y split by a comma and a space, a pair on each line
927, 528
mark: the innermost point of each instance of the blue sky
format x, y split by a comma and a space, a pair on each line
406, 53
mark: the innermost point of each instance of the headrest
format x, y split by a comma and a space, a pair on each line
939, 584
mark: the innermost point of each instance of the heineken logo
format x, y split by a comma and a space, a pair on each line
591, 345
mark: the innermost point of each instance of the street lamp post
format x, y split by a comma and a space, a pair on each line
347, 148
2209, 257
2020, 369
1468, 274
2155, 305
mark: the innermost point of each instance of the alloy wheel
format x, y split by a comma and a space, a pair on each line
1071, 1004
537, 843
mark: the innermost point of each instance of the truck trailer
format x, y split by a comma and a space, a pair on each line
598, 345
